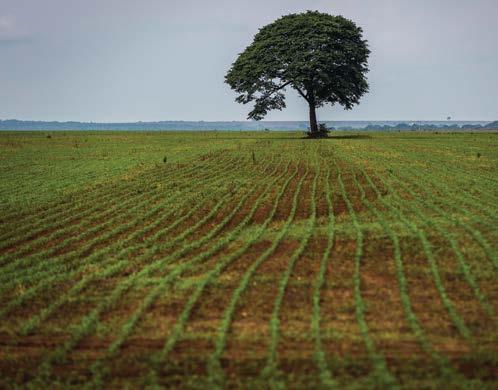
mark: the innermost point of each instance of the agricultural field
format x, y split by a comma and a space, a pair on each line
248, 260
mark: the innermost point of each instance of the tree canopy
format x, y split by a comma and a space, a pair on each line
323, 57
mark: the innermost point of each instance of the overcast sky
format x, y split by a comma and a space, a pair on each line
131, 60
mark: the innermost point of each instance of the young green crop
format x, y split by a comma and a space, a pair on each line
172, 204
270, 371
410, 316
428, 252
382, 373
88, 323
325, 376
222, 263
118, 269
214, 367
450, 237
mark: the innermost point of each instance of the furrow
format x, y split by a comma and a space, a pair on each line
319, 355
378, 361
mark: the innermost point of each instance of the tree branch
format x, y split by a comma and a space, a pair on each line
302, 93
274, 90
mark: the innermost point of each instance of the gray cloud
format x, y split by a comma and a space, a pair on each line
121, 60
11, 32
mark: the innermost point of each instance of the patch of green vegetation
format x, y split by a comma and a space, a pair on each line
235, 259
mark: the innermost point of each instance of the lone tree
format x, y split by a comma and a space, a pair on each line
323, 57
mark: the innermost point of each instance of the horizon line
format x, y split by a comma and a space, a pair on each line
250, 121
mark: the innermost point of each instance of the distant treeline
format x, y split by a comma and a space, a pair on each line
429, 126
13, 124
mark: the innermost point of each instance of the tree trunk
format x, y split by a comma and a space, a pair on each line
313, 124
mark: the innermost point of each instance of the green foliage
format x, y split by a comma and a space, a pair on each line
323, 57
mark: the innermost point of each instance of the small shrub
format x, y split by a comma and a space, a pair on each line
323, 132
165, 159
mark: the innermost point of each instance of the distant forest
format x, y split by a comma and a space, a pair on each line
13, 124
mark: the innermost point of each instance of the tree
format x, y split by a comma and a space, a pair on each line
323, 57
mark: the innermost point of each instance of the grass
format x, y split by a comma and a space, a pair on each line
244, 259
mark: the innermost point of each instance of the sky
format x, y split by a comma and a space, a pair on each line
151, 60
